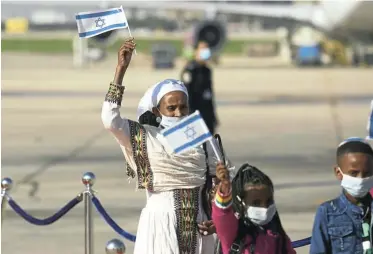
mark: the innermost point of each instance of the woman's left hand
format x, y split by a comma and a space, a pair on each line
207, 228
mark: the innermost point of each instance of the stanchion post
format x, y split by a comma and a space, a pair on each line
115, 246
88, 180
6, 185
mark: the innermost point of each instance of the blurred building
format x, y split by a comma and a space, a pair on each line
59, 15
257, 2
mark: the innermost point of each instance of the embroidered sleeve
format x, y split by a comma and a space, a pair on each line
130, 135
140, 155
223, 201
115, 94
110, 114
118, 125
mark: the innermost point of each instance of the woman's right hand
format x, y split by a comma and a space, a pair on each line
124, 59
125, 53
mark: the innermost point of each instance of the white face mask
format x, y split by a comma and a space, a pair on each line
259, 215
356, 187
205, 54
168, 121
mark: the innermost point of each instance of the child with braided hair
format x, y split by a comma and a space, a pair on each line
245, 215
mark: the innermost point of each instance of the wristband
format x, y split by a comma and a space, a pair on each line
115, 93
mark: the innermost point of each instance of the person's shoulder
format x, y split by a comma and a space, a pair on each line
330, 206
191, 65
187, 74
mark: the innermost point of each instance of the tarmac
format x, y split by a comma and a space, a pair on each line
284, 120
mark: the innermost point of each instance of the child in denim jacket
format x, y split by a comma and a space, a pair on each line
343, 225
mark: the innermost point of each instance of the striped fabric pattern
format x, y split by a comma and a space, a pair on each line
223, 201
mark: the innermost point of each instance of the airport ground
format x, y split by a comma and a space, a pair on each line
286, 121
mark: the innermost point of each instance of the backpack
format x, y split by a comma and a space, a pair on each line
239, 243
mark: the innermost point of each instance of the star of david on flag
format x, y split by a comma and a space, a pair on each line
100, 22
190, 132
94, 23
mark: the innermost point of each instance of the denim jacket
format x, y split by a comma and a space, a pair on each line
338, 228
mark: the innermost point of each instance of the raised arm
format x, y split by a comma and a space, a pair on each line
110, 114
223, 216
187, 76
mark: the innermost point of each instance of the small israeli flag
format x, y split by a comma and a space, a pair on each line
94, 23
370, 123
188, 133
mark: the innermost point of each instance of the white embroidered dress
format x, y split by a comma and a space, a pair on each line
173, 183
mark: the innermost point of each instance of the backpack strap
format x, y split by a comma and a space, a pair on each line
239, 244
220, 143
206, 204
208, 187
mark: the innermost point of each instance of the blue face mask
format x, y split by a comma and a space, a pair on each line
205, 54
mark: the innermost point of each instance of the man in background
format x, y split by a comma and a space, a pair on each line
197, 77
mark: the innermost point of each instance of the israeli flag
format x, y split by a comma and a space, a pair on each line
94, 23
370, 122
188, 133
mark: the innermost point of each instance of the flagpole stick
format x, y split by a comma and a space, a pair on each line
129, 31
216, 150
128, 25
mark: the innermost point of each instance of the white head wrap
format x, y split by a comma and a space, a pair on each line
156, 92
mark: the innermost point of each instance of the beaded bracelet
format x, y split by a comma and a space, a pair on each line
115, 93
